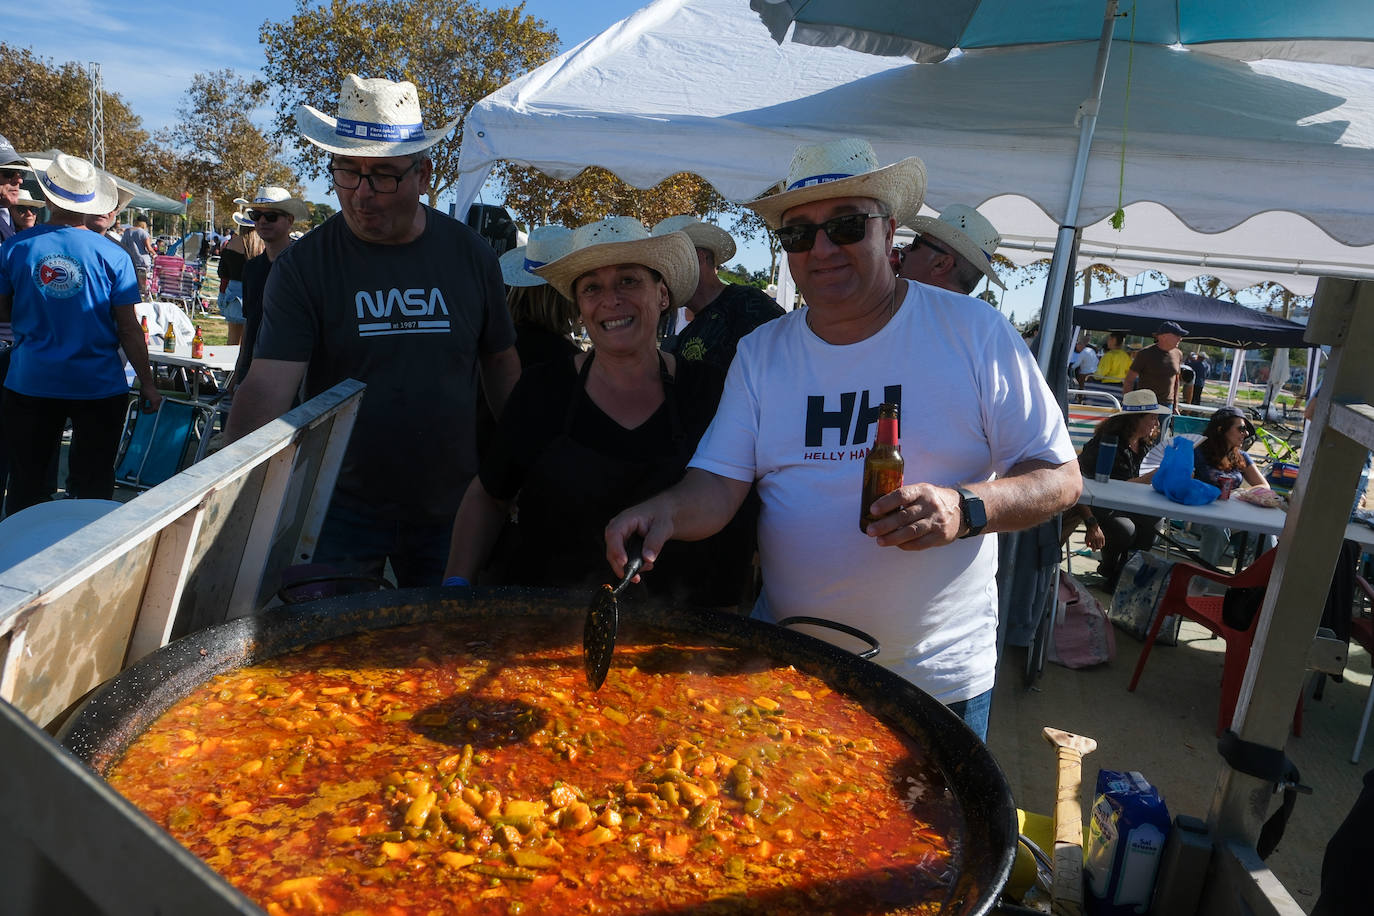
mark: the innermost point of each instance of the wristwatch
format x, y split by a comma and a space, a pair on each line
971, 509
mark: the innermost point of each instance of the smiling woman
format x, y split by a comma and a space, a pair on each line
583, 437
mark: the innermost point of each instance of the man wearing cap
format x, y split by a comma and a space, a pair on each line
397, 295
1158, 366
12, 169
70, 295
985, 444
273, 211
719, 314
952, 251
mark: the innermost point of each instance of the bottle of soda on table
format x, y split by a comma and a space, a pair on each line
883, 467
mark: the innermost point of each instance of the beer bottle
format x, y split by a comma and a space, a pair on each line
197, 345
169, 339
144, 322
884, 466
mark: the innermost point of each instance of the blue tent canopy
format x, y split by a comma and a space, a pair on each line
1215, 322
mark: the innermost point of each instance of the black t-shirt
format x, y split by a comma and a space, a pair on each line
716, 330
254, 283
565, 492
412, 321
231, 264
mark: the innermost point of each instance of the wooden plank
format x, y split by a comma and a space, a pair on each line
1240, 883
1308, 547
162, 597
1355, 421
266, 518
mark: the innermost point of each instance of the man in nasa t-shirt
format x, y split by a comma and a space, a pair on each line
404, 298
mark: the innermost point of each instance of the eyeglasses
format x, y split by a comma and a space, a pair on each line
379, 182
31, 211
265, 216
842, 230
11, 176
922, 240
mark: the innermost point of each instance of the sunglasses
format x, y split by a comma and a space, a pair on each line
922, 240
842, 230
11, 176
265, 216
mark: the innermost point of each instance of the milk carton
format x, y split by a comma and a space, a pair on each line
1126, 838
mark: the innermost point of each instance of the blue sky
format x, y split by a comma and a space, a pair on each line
149, 51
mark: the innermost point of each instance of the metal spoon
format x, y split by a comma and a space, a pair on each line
603, 618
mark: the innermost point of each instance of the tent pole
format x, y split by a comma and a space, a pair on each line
1061, 266
1237, 365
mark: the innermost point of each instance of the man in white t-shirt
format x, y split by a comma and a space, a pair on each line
985, 445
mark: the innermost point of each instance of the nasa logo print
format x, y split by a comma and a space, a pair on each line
59, 276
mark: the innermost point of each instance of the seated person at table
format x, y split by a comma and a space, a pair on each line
1221, 454
1116, 533
583, 437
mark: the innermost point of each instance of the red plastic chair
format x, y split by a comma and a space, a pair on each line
1206, 610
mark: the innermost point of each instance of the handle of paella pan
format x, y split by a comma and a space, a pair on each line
835, 625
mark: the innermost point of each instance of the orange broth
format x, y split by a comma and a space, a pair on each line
444, 768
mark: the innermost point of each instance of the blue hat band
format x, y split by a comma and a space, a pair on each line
817, 179
63, 193
531, 265
368, 130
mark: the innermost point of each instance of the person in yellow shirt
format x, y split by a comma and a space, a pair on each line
1111, 368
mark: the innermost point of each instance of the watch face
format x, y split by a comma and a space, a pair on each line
975, 516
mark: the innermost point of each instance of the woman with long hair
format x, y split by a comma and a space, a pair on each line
1221, 455
1116, 533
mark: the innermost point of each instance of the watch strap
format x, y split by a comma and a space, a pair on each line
975, 517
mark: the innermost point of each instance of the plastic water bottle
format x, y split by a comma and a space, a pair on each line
1106, 459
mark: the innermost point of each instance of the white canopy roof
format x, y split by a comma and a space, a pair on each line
700, 86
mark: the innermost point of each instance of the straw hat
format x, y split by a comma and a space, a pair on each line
241, 219
846, 168
123, 196
73, 184
703, 235
966, 231
28, 200
377, 117
1142, 400
546, 243
623, 240
274, 198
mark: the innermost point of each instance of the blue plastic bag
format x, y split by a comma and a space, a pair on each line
1175, 476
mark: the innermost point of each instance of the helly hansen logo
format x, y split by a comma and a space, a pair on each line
851, 417
404, 311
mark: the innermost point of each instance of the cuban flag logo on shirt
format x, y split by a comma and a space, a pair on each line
59, 276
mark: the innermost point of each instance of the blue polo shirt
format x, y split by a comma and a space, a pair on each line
64, 281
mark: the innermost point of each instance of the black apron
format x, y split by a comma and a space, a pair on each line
572, 490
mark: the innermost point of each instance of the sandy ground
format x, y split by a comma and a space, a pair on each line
1166, 730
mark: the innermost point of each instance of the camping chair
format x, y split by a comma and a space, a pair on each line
176, 282
1083, 418
155, 447
1206, 610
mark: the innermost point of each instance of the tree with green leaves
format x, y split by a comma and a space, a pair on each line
222, 152
47, 106
454, 51
319, 213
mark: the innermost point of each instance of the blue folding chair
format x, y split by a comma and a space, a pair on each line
155, 446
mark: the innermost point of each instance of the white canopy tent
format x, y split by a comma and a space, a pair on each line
1281, 154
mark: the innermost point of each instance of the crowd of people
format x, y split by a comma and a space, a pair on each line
1161, 367
622, 384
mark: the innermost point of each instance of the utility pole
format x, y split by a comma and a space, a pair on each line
97, 114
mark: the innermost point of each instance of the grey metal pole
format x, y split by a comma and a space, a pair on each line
1061, 267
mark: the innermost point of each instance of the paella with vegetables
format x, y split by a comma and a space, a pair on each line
446, 768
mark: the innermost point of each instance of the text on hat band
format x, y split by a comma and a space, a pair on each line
817, 179
369, 130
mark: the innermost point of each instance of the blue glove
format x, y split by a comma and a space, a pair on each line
458, 581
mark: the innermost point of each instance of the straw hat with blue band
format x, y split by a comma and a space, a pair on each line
270, 197
73, 184
1141, 401
624, 240
377, 118
846, 168
546, 244
968, 232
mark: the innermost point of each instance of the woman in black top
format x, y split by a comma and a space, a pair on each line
1116, 534
583, 437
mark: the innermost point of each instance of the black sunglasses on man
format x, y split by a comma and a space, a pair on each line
841, 230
